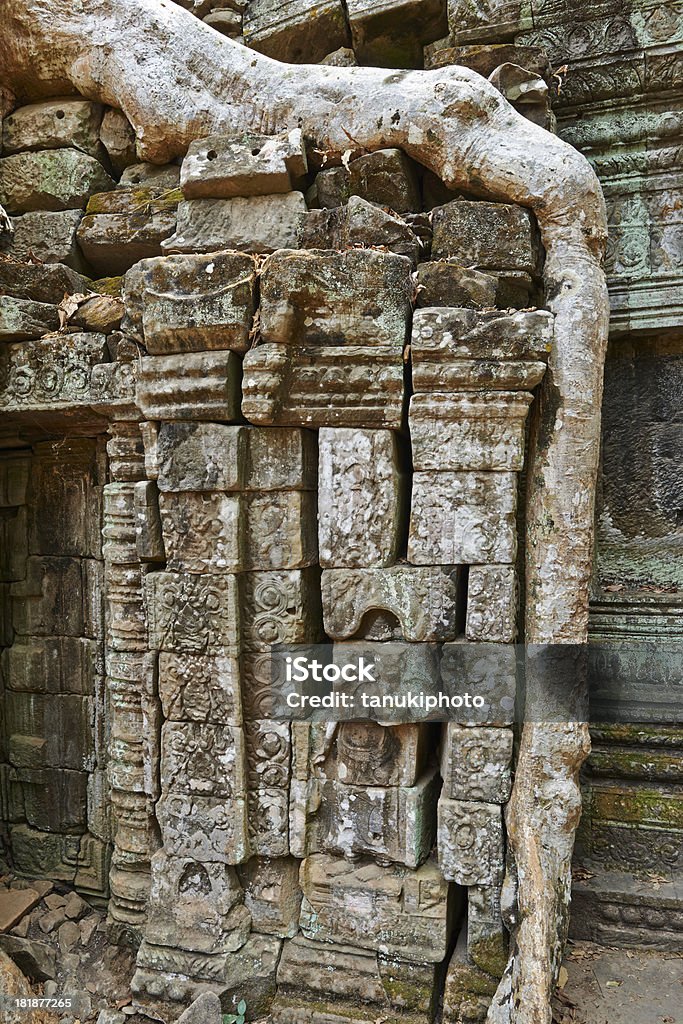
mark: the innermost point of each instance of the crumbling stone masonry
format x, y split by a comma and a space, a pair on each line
249, 398
165, 457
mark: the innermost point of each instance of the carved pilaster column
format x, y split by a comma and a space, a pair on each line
131, 688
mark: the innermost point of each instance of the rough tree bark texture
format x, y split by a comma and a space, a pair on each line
178, 80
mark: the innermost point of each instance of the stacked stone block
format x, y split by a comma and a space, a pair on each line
52, 664
467, 418
232, 509
52, 161
241, 841
131, 687
389, 33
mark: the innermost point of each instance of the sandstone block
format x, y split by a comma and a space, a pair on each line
269, 750
447, 283
48, 602
470, 842
384, 755
13, 545
149, 540
127, 628
343, 57
200, 457
192, 303
390, 823
297, 31
202, 532
280, 530
410, 668
487, 939
48, 799
39, 853
224, 166
52, 179
280, 608
281, 460
360, 223
14, 903
272, 894
197, 614
492, 236
99, 824
331, 188
466, 334
390, 33
119, 524
362, 498
476, 763
186, 770
324, 386
423, 600
159, 177
468, 990
329, 298
191, 386
117, 135
468, 22
386, 177
489, 670
346, 972
23, 319
63, 481
99, 313
205, 1009
53, 125
469, 431
485, 59
269, 821
51, 237
491, 604
251, 970
401, 912
35, 959
36, 715
51, 665
213, 457
461, 518
204, 828
200, 687
255, 224
43, 284
125, 226
227, 22
14, 478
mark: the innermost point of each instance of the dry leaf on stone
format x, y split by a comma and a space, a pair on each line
68, 306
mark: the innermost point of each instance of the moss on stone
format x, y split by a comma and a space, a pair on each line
108, 286
140, 199
490, 954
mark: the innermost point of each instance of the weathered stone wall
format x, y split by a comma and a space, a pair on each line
52, 663
239, 390
616, 89
313, 390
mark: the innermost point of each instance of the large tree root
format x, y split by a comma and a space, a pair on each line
178, 80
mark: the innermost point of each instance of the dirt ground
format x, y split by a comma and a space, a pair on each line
620, 986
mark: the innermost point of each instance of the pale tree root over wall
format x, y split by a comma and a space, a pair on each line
178, 80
